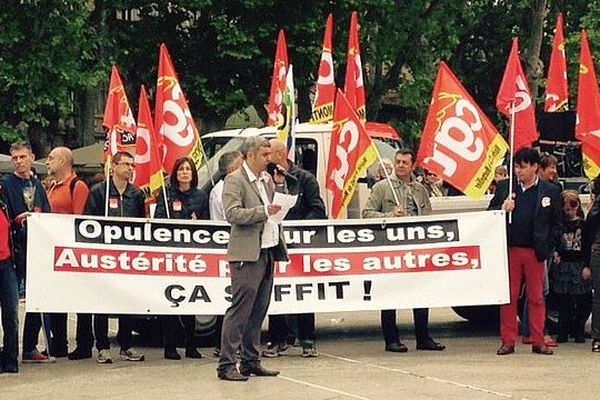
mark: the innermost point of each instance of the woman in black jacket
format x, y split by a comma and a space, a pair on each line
185, 201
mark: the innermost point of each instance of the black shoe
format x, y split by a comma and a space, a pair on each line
430, 344
396, 347
10, 369
257, 369
172, 354
580, 339
192, 353
80, 354
231, 374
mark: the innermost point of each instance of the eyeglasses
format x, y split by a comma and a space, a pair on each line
127, 164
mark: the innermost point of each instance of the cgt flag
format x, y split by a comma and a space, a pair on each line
286, 129
353, 83
350, 153
459, 143
557, 90
514, 93
322, 107
587, 129
118, 119
173, 120
148, 171
280, 66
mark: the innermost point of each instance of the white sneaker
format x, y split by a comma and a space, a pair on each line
131, 355
104, 357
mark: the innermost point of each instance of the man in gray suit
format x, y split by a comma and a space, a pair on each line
255, 243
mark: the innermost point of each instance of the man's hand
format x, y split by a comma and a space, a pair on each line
278, 178
273, 208
586, 273
22, 218
399, 211
508, 205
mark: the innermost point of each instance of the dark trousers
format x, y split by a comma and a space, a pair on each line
31, 331
390, 329
595, 266
58, 324
171, 325
84, 334
251, 284
279, 327
573, 313
101, 332
9, 308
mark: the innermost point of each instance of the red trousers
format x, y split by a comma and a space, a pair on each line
524, 264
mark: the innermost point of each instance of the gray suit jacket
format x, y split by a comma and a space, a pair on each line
245, 212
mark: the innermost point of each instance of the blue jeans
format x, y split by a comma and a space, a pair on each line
9, 307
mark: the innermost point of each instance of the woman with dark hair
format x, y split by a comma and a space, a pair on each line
185, 201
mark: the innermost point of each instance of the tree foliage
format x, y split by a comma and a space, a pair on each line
54, 54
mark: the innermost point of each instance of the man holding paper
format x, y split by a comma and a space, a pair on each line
255, 243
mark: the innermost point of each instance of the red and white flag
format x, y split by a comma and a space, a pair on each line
587, 129
514, 96
280, 67
322, 107
118, 119
557, 90
350, 153
459, 143
354, 88
148, 171
173, 120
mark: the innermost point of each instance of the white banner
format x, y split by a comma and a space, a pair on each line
136, 266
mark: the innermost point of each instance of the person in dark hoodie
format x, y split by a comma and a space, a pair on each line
185, 201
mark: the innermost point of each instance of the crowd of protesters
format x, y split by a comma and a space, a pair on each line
553, 247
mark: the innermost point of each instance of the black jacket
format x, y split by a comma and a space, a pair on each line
590, 234
547, 219
129, 204
309, 204
183, 204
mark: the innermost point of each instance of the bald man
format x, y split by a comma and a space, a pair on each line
67, 196
308, 206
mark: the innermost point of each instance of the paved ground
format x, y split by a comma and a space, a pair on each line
351, 365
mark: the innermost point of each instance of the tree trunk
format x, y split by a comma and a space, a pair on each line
534, 65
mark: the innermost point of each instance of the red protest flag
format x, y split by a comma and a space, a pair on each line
514, 96
148, 171
557, 90
354, 88
459, 143
587, 129
173, 119
322, 107
280, 67
350, 153
118, 119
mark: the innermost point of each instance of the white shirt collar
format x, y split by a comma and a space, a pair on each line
249, 172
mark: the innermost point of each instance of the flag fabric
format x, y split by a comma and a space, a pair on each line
350, 153
459, 143
173, 120
514, 89
287, 123
280, 67
587, 129
148, 172
557, 89
354, 88
322, 106
118, 119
